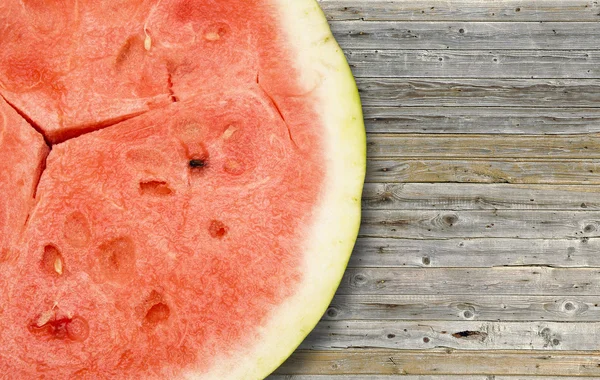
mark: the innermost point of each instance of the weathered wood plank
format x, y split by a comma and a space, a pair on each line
438, 146
472, 281
465, 92
574, 172
415, 377
478, 307
467, 35
461, 10
436, 224
464, 335
499, 120
440, 361
475, 63
475, 253
474, 196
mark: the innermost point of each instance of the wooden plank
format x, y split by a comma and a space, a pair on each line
499, 120
465, 92
461, 10
376, 377
475, 253
428, 224
464, 335
461, 35
415, 377
411, 377
443, 361
574, 172
475, 63
480, 307
585, 147
471, 281
474, 196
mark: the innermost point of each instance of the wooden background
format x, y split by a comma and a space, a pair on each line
479, 254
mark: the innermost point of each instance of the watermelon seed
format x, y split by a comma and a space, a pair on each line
52, 261
229, 132
212, 36
197, 163
58, 265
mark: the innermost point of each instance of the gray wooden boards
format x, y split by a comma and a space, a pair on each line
479, 252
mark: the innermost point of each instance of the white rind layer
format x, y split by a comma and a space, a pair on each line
337, 222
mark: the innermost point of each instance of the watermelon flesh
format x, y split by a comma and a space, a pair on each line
198, 203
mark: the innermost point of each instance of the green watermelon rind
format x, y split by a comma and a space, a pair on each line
337, 223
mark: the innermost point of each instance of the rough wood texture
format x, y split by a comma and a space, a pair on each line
466, 35
461, 10
497, 120
479, 252
582, 64
443, 361
508, 93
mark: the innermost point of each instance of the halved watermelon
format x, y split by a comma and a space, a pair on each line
202, 194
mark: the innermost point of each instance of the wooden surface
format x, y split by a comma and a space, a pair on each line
479, 253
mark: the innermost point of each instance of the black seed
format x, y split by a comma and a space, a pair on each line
195, 163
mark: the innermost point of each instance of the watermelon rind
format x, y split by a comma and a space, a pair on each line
337, 221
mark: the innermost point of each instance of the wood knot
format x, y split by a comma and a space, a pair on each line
450, 219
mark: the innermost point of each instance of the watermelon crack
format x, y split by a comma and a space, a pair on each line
276, 106
33, 124
174, 97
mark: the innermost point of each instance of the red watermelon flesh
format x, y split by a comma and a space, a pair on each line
81, 65
189, 200
22, 156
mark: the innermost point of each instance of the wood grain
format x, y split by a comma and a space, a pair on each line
484, 146
463, 335
475, 196
565, 64
443, 361
461, 10
467, 35
419, 224
515, 171
478, 307
441, 93
470, 281
417, 377
476, 120
464, 252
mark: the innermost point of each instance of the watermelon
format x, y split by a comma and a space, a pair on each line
181, 183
